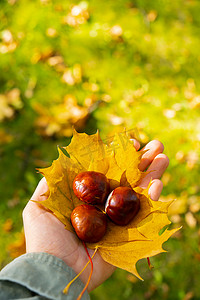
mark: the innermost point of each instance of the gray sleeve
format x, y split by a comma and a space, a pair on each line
36, 276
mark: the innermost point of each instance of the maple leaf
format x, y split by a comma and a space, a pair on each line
122, 246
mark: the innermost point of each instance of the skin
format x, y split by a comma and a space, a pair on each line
45, 233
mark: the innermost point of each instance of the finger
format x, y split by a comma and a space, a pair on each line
136, 144
40, 190
155, 189
31, 207
152, 149
156, 169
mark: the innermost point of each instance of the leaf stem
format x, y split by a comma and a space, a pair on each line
149, 264
65, 291
89, 278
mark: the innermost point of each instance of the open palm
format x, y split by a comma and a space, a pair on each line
45, 233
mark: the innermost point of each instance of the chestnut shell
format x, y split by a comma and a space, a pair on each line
89, 222
122, 205
91, 187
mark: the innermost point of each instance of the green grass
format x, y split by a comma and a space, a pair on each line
145, 79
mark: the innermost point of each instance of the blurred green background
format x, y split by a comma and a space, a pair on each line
106, 65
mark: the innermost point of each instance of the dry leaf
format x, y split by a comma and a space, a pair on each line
18, 247
57, 120
121, 246
8, 225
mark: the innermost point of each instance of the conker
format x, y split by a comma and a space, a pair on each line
122, 205
89, 222
91, 187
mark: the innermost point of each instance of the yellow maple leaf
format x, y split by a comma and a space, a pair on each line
122, 246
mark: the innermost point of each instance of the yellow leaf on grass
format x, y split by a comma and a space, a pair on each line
121, 246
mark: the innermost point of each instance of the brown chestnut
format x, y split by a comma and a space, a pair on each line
89, 222
91, 187
122, 205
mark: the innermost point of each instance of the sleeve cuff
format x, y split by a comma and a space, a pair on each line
45, 275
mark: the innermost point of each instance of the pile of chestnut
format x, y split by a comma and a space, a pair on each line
90, 223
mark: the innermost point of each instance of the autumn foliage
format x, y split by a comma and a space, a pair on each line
107, 65
122, 246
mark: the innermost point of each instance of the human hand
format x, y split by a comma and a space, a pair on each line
45, 233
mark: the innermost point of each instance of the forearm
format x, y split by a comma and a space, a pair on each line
38, 276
